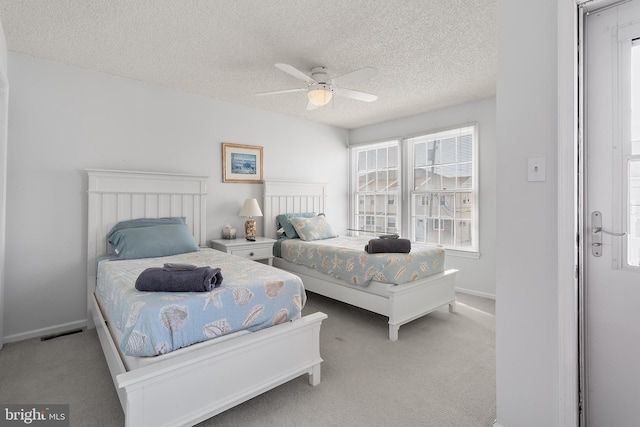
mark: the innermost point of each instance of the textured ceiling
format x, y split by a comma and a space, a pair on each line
429, 54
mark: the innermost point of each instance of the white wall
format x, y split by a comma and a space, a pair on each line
4, 91
527, 242
476, 276
63, 119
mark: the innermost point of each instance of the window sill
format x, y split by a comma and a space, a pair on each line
462, 254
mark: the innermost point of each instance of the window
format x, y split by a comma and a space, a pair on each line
377, 189
633, 163
444, 184
440, 197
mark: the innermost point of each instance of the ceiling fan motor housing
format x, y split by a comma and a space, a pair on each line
319, 74
320, 86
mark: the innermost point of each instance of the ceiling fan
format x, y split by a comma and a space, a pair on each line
320, 88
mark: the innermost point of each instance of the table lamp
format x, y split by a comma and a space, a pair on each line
250, 209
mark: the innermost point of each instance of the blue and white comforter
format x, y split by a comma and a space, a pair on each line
252, 296
344, 258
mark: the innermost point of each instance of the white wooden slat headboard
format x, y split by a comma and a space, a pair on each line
282, 197
122, 195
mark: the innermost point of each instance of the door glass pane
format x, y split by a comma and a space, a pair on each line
633, 241
635, 98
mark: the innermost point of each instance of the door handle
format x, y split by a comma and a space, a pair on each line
611, 233
596, 233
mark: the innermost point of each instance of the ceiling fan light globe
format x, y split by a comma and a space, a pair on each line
319, 95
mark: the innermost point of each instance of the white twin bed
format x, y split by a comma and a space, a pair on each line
401, 303
195, 382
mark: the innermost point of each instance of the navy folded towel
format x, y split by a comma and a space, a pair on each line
177, 266
179, 278
377, 246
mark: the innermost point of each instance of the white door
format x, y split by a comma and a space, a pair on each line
612, 207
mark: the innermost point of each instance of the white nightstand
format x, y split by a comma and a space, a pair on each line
261, 249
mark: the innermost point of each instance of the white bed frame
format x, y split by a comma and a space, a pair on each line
401, 303
207, 379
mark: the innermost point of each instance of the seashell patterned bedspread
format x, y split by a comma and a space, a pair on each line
252, 296
344, 258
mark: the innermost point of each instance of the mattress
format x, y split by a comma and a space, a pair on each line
375, 288
344, 258
252, 296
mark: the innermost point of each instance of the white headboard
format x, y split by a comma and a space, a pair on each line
122, 195
282, 197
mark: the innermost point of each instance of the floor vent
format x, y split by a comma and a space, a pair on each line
61, 334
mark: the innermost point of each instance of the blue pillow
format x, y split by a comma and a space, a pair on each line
146, 222
283, 222
152, 241
316, 228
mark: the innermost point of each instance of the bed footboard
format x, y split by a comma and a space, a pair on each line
195, 386
401, 304
413, 300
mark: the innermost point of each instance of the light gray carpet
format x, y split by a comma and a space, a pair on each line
441, 372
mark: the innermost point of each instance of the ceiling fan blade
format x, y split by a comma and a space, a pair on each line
293, 71
354, 94
276, 92
355, 76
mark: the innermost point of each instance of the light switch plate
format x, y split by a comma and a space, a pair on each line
536, 169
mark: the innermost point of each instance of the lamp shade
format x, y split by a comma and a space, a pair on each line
250, 208
319, 94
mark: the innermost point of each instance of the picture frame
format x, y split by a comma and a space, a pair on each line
242, 163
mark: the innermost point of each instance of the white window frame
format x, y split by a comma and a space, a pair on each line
404, 205
408, 145
370, 218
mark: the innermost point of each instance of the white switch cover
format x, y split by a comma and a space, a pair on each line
536, 169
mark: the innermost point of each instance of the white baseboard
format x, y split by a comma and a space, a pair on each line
52, 330
476, 293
